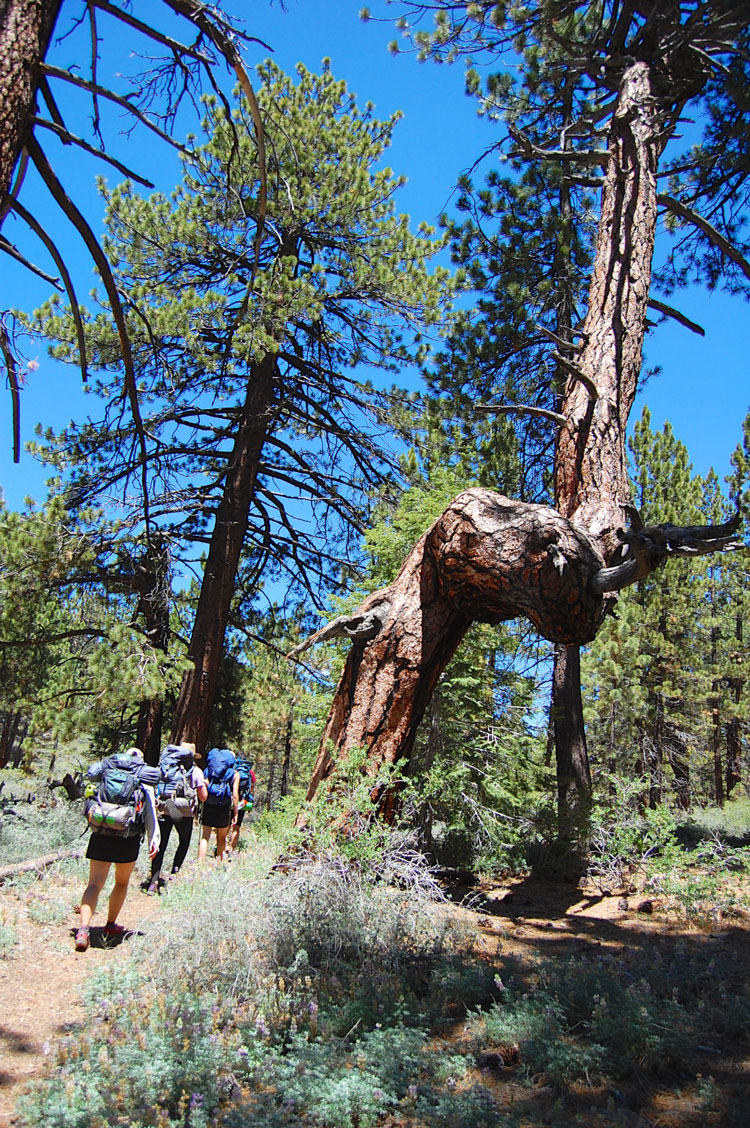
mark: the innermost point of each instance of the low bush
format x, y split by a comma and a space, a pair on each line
30, 829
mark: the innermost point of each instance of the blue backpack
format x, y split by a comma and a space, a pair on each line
220, 768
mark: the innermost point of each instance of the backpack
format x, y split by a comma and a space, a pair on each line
116, 806
247, 779
175, 794
220, 768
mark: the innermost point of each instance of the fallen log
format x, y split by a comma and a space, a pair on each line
40, 863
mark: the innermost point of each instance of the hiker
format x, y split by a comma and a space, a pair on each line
181, 787
122, 809
246, 795
220, 808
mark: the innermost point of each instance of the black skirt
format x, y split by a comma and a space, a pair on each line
113, 847
216, 814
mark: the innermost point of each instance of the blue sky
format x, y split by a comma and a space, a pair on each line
704, 389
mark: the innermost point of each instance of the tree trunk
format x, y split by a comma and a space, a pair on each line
154, 589
526, 552
193, 710
486, 558
287, 752
25, 30
573, 773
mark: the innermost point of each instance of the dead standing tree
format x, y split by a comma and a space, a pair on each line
489, 558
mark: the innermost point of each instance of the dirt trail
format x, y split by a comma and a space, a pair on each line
40, 982
41, 978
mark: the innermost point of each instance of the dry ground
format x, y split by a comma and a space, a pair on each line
522, 921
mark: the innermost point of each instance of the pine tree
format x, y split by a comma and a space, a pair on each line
248, 319
653, 675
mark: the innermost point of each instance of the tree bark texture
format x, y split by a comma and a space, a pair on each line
486, 558
25, 30
571, 756
591, 473
193, 711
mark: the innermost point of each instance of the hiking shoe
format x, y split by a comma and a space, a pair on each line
82, 939
113, 929
152, 890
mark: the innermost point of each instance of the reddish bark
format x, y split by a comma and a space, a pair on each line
486, 558
25, 30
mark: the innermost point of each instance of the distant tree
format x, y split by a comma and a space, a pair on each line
626, 75
76, 654
647, 674
260, 438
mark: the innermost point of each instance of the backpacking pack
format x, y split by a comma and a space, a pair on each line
220, 768
175, 794
116, 806
244, 769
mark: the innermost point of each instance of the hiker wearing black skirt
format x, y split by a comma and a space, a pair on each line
121, 811
220, 808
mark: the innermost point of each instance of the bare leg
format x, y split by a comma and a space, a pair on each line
97, 876
123, 871
221, 841
203, 844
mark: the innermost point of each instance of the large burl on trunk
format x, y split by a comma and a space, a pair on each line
486, 558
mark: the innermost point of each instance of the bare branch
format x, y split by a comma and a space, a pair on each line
118, 99
530, 150
360, 626
675, 314
650, 546
68, 138
714, 236
578, 374
15, 393
8, 248
520, 409
66, 204
37, 228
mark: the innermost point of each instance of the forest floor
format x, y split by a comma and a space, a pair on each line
525, 920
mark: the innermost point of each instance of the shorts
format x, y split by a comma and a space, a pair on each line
113, 847
217, 815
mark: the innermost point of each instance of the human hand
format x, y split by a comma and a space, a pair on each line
153, 850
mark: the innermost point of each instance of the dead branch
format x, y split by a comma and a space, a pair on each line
15, 392
37, 228
519, 409
714, 236
40, 863
361, 625
649, 547
675, 314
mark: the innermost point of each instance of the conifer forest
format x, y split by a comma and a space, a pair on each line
378, 501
